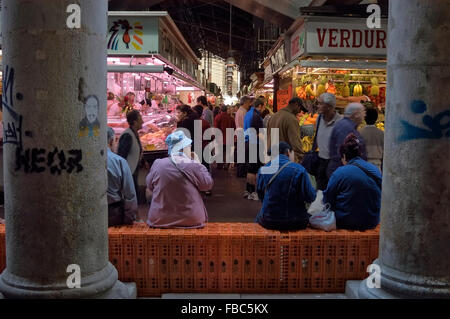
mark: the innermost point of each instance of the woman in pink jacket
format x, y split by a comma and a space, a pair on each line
175, 184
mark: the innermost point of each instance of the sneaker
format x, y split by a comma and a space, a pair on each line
253, 196
246, 194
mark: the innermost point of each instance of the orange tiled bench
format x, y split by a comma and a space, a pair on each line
237, 258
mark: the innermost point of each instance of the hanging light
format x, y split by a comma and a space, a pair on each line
230, 63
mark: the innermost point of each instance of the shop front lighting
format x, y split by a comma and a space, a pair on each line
186, 88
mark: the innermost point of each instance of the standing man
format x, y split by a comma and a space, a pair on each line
207, 114
353, 117
222, 122
374, 138
328, 117
286, 122
130, 147
253, 122
122, 201
245, 104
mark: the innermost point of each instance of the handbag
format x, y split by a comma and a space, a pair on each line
311, 159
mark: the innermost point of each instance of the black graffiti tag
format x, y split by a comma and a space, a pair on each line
74, 162
12, 130
36, 159
56, 161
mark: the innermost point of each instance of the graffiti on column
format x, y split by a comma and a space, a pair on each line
12, 130
38, 160
89, 125
437, 127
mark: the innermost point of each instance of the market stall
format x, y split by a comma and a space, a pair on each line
151, 68
340, 56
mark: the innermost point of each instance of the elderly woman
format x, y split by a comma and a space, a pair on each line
175, 183
354, 190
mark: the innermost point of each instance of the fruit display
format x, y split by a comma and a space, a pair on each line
357, 90
307, 143
380, 125
345, 83
311, 119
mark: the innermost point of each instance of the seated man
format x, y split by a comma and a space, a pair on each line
354, 190
284, 193
175, 182
122, 202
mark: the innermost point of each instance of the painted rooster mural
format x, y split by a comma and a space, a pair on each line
131, 34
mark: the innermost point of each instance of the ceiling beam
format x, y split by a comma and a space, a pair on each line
266, 11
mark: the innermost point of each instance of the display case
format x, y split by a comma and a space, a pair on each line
158, 124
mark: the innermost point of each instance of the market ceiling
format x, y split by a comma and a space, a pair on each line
205, 24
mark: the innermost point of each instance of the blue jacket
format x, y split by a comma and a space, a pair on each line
284, 203
355, 197
254, 120
340, 131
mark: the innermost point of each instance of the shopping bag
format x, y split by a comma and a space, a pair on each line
324, 220
317, 206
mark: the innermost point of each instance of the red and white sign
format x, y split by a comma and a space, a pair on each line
346, 38
298, 43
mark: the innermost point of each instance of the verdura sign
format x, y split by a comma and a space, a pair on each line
351, 37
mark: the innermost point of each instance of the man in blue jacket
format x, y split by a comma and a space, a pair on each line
284, 196
253, 123
353, 117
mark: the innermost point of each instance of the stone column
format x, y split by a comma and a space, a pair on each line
54, 114
415, 215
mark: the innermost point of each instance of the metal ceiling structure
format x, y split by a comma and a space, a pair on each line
256, 26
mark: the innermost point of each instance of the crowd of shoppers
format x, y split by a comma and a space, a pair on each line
351, 185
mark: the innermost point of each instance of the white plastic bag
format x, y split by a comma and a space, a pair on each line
317, 206
324, 220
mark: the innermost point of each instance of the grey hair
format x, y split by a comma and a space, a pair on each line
110, 134
245, 99
352, 108
328, 98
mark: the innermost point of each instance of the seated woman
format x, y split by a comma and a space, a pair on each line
175, 183
354, 190
284, 193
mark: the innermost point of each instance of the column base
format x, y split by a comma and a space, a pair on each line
120, 290
396, 284
100, 285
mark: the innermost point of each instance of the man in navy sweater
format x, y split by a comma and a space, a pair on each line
353, 117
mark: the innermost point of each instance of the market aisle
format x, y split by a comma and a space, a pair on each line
226, 203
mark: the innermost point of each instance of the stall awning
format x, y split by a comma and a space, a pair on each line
289, 66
